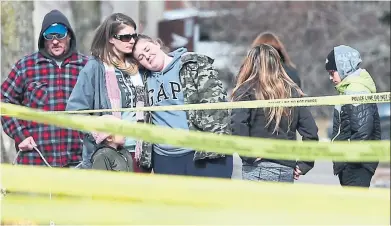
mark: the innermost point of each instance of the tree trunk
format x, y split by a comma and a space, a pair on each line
17, 40
86, 15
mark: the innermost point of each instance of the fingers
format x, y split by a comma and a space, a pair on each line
27, 144
297, 173
32, 142
297, 170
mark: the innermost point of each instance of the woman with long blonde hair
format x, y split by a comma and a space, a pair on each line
262, 77
273, 40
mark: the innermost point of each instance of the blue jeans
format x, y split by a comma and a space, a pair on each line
267, 171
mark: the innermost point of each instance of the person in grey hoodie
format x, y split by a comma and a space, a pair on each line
353, 122
110, 80
179, 78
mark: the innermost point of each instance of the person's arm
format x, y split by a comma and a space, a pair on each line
12, 92
308, 129
361, 121
204, 86
361, 115
82, 96
240, 118
101, 162
241, 121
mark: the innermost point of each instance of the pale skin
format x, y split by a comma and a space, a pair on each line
150, 56
334, 77
121, 48
58, 47
115, 140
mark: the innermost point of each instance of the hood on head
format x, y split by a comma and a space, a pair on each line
55, 16
347, 60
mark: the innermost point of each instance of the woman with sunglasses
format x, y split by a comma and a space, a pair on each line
110, 79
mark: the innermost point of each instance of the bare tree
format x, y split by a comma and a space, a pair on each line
309, 31
16, 41
86, 17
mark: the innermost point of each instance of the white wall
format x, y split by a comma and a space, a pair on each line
154, 13
130, 8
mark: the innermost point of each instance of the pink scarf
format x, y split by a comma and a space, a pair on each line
113, 90
114, 94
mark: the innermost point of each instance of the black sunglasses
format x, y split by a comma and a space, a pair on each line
126, 38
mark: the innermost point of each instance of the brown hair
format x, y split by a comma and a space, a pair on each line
101, 47
263, 72
273, 40
163, 47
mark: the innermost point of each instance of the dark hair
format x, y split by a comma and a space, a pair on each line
100, 47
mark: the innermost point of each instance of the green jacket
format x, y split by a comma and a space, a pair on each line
108, 158
201, 84
359, 82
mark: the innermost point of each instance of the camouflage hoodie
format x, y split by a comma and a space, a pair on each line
200, 83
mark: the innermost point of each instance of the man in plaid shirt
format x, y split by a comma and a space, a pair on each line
44, 80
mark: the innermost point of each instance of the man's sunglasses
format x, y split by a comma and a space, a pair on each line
57, 36
126, 38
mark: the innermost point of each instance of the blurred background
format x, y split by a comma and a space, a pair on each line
224, 30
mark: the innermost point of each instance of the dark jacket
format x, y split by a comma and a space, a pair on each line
291, 71
356, 122
108, 158
252, 123
293, 74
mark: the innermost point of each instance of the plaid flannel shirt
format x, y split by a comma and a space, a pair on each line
38, 82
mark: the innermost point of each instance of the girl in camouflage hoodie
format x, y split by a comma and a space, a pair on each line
179, 78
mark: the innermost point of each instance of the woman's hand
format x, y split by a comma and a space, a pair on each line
296, 173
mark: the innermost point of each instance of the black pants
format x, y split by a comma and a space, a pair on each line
184, 165
355, 175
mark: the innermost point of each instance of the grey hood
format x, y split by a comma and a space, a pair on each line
347, 60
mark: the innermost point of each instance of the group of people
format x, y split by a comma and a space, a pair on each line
129, 70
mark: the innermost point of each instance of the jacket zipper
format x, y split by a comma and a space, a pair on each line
339, 128
126, 160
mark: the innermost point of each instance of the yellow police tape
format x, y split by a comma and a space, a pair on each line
306, 101
102, 197
245, 146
